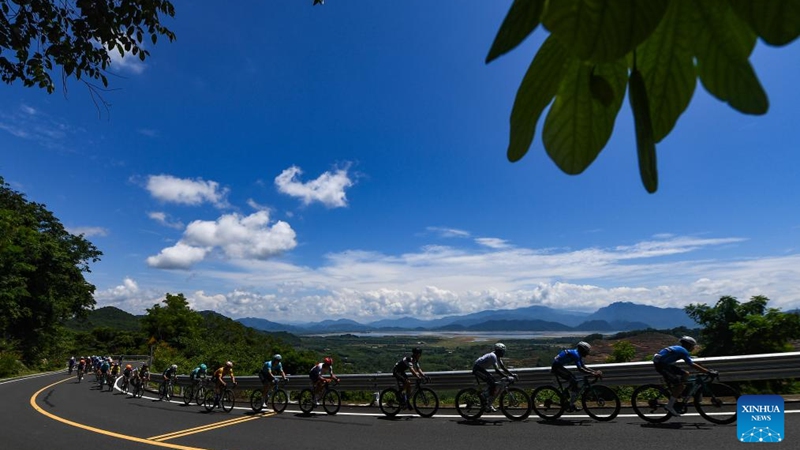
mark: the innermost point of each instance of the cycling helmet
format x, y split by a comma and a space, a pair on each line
416, 351
276, 357
129, 366
500, 349
203, 367
174, 367
229, 364
583, 348
328, 361
688, 342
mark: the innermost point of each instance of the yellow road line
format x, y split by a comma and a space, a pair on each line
214, 426
126, 437
161, 436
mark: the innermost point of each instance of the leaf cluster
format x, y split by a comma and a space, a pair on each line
41, 273
77, 35
657, 49
733, 328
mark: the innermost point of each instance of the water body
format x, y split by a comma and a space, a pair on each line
477, 336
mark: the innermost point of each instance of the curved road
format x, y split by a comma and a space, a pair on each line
54, 412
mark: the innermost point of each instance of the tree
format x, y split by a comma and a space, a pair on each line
77, 36
733, 328
623, 351
657, 49
175, 323
41, 273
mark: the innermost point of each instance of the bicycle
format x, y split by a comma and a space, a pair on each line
195, 391
277, 396
80, 375
226, 401
715, 401
138, 387
472, 402
600, 402
125, 384
331, 400
166, 390
424, 400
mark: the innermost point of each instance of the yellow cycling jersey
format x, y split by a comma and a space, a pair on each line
222, 371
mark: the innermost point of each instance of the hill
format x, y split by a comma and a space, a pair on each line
106, 317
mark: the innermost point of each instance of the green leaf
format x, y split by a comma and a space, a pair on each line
578, 126
776, 21
521, 20
722, 47
537, 90
602, 30
666, 61
645, 145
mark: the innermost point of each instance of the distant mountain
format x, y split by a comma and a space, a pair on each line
266, 325
652, 316
620, 316
106, 317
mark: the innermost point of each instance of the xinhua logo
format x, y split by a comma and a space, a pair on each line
760, 418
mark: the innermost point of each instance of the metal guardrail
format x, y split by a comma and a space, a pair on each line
772, 366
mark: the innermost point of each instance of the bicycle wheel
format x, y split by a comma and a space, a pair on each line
306, 401
208, 402
390, 401
469, 403
279, 400
257, 400
515, 404
648, 402
426, 402
331, 401
547, 402
188, 395
600, 403
200, 396
716, 402
227, 400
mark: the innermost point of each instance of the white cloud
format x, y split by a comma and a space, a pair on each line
127, 63
88, 231
435, 281
179, 256
238, 237
327, 189
449, 232
186, 191
164, 219
494, 243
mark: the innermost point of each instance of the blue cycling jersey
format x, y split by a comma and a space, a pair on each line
671, 355
569, 356
269, 368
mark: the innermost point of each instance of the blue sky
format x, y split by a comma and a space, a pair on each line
301, 163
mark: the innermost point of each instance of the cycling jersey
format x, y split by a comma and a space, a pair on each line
671, 355
487, 361
318, 370
222, 371
569, 356
267, 369
104, 367
196, 373
169, 372
405, 364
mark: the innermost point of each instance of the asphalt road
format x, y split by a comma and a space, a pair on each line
54, 412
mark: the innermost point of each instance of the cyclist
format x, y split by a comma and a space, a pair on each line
676, 377
144, 373
219, 383
197, 374
170, 373
71, 364
573, 356
410, 363
103, 370
126, 376
115, 369
318, 381
480, 370
267, 374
